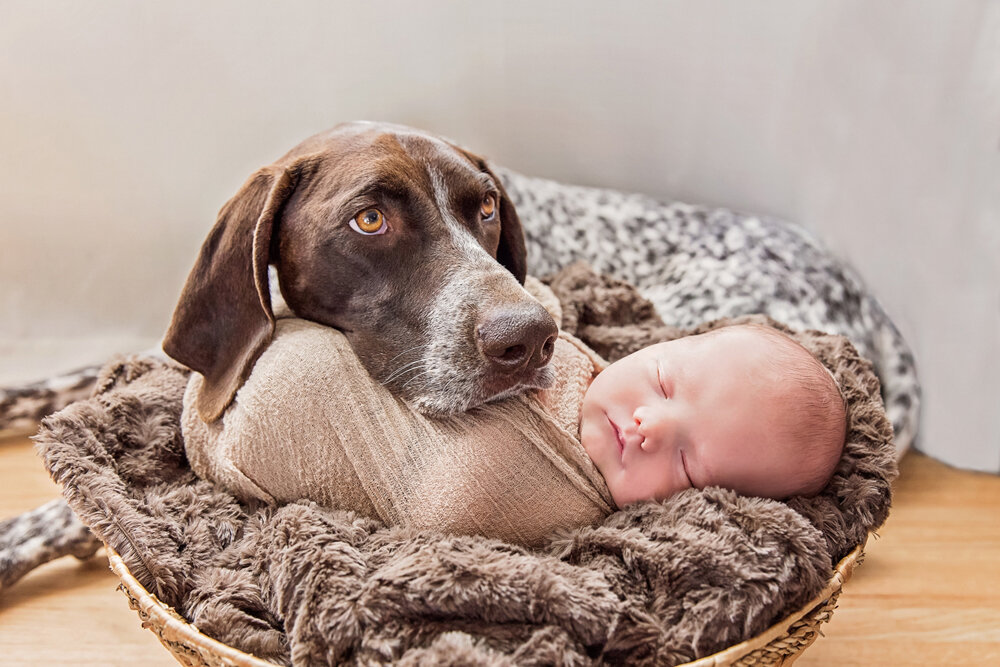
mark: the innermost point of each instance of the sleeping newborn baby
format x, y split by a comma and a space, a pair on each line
743, 407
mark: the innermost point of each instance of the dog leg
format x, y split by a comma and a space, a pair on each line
23, 407
43, 534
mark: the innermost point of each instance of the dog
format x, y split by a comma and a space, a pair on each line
405, 242
416, 249
454, 302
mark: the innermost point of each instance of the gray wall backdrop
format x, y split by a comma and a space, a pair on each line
124, 126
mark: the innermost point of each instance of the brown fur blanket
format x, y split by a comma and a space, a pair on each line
656, 583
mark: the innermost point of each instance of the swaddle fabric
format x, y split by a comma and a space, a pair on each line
310, 423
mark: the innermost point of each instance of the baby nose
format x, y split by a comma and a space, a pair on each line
652, 428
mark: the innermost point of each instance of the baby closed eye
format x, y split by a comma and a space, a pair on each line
684, 467
662, 381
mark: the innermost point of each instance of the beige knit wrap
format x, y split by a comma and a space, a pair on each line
310, 423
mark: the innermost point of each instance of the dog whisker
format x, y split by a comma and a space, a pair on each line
406, 351
410, 366
425, 372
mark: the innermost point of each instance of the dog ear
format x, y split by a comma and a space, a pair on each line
223, 320
511, 252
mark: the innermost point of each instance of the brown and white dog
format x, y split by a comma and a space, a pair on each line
412, 247
405, 242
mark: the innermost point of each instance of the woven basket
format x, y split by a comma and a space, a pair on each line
780, 644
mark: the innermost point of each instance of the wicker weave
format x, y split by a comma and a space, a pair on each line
780, 644
182, 639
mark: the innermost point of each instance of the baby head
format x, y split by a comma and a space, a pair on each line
743, 407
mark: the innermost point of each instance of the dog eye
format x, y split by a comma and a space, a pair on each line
369, 222
488, 209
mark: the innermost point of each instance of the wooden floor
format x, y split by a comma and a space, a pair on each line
928, 592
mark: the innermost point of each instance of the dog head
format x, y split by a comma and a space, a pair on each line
403, 241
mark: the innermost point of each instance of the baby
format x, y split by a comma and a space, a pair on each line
742, 407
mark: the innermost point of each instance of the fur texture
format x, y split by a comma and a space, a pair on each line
657, 583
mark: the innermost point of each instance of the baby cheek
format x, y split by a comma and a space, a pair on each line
590, 439
592, 408
654, 481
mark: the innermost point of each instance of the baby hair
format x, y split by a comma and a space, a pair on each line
816, 423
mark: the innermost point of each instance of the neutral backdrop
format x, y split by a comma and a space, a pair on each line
124, 126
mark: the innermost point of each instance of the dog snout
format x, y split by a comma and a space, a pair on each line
515, 338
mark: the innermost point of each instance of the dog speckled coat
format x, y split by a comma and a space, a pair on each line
657, 583
696, 264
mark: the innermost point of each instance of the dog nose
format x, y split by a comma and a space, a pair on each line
517, 337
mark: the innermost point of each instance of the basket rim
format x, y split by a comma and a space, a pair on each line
841, 574
160, 618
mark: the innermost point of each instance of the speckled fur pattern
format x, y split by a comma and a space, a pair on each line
21, 408
43, 534
698, 264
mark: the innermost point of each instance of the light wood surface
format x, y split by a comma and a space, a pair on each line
928, 592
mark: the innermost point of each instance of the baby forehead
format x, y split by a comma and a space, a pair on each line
749, 347
749, 335
734, 335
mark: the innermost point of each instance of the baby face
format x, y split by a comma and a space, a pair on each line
693, 412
